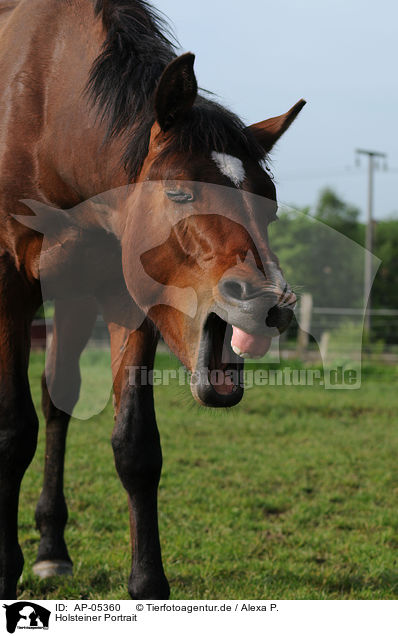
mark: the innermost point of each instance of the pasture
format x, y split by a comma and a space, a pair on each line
290, 495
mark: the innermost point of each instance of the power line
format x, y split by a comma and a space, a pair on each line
352, 311
337, 174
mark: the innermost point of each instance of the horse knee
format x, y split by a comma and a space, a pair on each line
51, 510
138, 456
18, 438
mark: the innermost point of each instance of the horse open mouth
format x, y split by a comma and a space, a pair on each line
218, 378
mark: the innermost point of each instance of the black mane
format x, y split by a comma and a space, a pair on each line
134, 54
123, 79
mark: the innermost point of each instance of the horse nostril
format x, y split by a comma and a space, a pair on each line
237, 289
279, 317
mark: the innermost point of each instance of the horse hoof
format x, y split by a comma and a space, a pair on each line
144, 587
45, 569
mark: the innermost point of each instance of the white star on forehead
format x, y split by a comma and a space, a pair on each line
230, 166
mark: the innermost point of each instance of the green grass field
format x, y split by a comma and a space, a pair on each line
291, 495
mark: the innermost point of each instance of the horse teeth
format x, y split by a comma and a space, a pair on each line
239, 352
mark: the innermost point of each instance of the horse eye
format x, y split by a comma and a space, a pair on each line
179, 196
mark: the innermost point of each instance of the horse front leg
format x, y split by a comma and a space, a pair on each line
138, 457
73, 324
18, 419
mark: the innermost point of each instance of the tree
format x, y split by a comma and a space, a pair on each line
317, 258
318, 253
385, 290
339, 215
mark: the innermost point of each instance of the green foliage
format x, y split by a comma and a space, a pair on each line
339, 215
385, 288
316, 258
290, 495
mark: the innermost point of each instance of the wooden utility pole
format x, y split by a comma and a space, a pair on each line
371, 154
305, 324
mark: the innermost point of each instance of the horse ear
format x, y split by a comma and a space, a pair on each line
267, 132
176, 91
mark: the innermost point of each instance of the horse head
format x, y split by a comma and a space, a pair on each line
205, 198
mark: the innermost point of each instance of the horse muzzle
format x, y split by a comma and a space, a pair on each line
265, 311
241, 325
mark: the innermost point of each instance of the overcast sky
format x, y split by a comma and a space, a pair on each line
261, 56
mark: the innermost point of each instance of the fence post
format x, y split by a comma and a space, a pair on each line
324, 345
305, 324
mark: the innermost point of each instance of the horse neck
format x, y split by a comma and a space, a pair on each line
51, 128
76, 162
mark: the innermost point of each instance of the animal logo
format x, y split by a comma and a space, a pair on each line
26, 615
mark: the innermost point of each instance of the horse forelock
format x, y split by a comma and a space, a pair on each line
190, 147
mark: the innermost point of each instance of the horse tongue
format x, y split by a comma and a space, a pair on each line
248, 346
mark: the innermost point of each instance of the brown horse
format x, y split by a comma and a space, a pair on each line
93, 98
